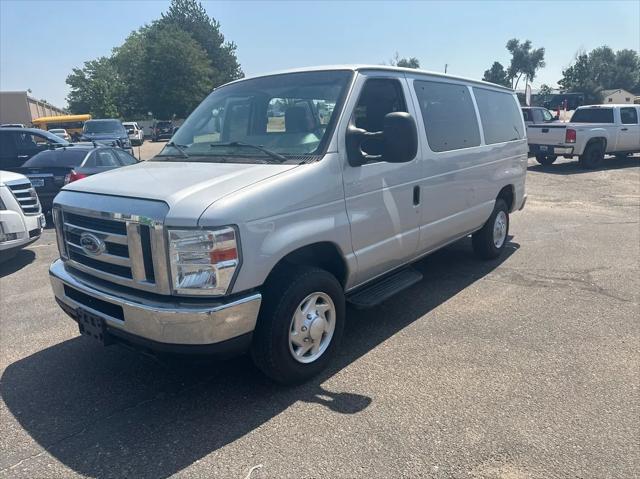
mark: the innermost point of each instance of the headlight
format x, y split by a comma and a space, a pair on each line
203, 261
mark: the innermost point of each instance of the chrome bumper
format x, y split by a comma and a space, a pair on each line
172, 320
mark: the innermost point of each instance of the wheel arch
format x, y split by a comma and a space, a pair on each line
508, 194
323, 254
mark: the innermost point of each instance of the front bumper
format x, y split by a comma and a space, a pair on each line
550, 150
25, 228
169, 324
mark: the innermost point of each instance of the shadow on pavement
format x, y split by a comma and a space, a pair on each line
573, 168
117, 413
16, 261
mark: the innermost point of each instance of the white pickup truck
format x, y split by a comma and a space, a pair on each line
593, 131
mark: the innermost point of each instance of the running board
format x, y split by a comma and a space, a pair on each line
382, 289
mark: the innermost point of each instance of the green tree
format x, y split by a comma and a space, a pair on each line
496, 74
397, 61
525, 61
176, 72
191, 17
412, 62
95, 89
166, 67
602, 69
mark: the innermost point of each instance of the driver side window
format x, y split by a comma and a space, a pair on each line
379, 97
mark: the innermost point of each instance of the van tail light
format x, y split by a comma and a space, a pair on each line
73, 176
570, 136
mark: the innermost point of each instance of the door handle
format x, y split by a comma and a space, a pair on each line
416, 195
624, 129
23, 156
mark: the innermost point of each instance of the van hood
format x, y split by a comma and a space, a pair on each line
188, 188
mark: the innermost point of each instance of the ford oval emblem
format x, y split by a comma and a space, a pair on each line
91, 244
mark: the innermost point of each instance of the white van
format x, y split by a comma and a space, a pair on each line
282, 198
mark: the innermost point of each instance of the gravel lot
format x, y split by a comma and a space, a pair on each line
527, 367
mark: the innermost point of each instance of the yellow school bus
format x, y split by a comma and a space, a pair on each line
72, 123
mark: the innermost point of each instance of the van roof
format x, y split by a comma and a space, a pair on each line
362, 67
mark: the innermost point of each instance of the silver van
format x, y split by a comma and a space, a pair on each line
281, 199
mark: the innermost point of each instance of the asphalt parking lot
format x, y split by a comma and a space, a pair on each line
524, 367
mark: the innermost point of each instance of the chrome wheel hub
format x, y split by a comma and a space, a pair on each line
500, 229
312, 327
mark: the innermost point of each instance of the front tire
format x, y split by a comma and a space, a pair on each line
593, 156
300, 324
546, 160
489, 241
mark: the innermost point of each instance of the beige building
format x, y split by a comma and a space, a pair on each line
616, 96
19, 107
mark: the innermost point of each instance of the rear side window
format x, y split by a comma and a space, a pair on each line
125, 158
527, 115
449, 116
105, 158
593, 115
65, 158
629, 116
500, 115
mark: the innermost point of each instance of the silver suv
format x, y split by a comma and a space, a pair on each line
281, 199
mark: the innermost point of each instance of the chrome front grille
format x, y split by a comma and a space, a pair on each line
26, 196
121, 248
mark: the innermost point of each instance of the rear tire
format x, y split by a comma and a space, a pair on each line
489, 241
276, 337
593, 156
546, 160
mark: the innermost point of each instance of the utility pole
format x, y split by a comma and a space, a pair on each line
445, 67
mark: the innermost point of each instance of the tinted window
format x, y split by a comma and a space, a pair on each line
500, 116
379, 97
103, 126
629, 116
104, 157
125, 158
67, 158
449, 117
593, 115
526, 114
7, 143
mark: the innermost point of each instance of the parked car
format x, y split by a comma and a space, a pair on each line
12, 125
61, 132
162, 130
136, 135
21, 219
109, 132
252, 234
537, 114
592, 132
17, 145
50, 170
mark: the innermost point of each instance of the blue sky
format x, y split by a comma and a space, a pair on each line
41, 41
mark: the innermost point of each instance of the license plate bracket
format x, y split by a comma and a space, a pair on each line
92, 325
37, 182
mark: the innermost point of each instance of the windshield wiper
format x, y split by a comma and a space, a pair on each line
180, 148
271, 154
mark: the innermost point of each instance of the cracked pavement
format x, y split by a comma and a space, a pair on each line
526, 367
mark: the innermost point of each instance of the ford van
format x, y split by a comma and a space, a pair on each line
282, 199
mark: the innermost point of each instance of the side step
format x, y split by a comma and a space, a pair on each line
382, 289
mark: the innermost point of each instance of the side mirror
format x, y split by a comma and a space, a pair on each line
399, 140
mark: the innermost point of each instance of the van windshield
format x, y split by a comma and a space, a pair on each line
288, 116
